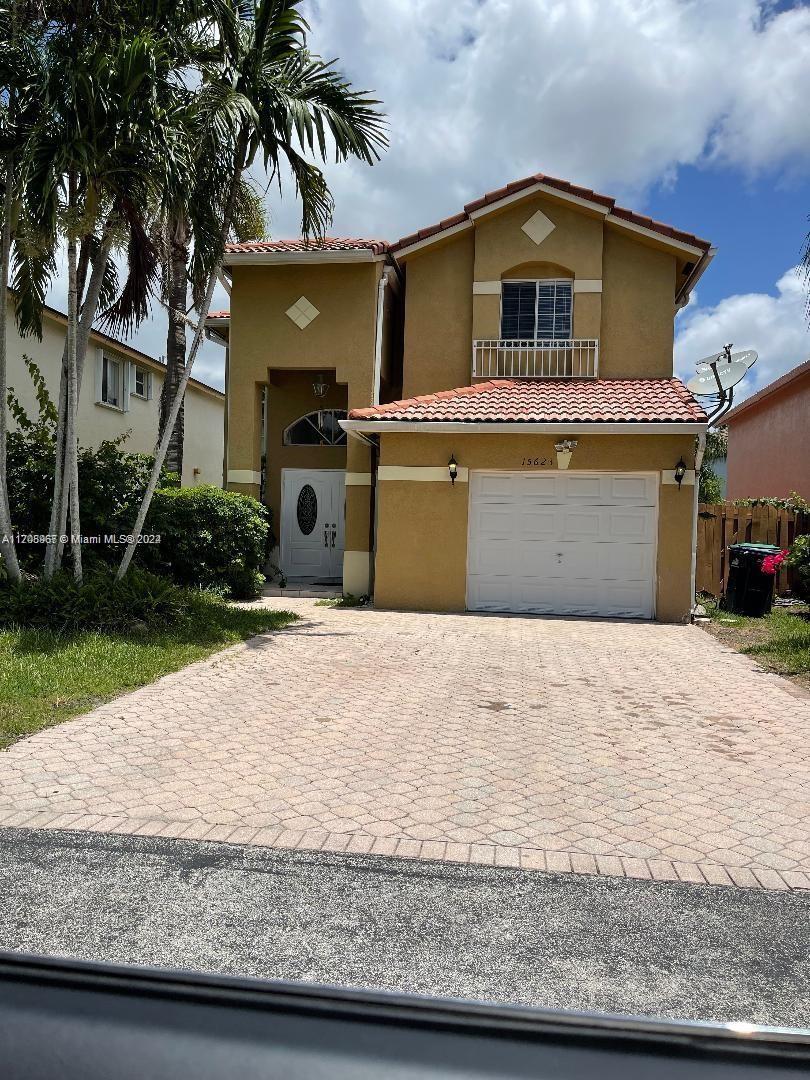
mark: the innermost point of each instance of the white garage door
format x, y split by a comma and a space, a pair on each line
562, 543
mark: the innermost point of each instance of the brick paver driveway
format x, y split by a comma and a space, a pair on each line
609, 747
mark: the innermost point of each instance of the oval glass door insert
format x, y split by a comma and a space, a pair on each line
307, 509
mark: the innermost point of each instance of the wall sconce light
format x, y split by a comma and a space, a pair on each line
680, 472
452, 468
564, 451
320, 387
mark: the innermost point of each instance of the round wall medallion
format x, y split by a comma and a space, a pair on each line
307, 509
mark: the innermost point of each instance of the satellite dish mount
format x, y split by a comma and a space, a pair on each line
718, 375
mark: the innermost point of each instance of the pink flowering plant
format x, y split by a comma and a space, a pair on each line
771, 563
799, 562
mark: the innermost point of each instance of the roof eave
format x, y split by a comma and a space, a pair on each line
683, 294
487, 427
259, 258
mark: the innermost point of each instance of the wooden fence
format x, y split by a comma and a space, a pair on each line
723, 524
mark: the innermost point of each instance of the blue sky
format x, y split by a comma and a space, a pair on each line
694, 111
758, 224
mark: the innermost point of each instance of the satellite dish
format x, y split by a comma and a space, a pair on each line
747, 357
727, 375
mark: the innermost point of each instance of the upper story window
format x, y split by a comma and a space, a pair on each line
320, 428
537, 310
111, 381
141, 383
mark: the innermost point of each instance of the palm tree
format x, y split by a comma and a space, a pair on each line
264, 93
174, 238
111, 139
20, 94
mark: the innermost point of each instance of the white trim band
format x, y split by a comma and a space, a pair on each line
358, 479
486, 288
587, 285
668, 477
244, 476
430, 473
458, 427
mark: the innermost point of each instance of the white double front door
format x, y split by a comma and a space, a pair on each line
313, 512
563, 543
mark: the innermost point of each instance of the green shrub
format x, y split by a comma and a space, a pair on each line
209, 538
100, 603
710, 489
799, 561
111, 481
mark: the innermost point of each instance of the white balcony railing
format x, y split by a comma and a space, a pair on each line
569, 358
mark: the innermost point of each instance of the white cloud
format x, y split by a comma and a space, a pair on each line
773, 324
614, 94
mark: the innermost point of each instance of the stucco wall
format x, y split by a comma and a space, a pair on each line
627, 298
438, 317
422, 526
267, 346
638, 309
340, 341
204, 412
767, 446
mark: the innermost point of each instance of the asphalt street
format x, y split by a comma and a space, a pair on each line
564, 941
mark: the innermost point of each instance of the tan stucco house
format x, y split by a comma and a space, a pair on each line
480, 416
120, 394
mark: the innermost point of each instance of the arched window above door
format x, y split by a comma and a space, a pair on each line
321, 428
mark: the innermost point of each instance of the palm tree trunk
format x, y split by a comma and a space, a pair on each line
160, 456
7, 548
56, 528
71, 447
175, 342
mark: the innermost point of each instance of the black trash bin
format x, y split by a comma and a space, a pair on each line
749, 590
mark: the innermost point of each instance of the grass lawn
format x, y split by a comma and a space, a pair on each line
47, 677
779, 641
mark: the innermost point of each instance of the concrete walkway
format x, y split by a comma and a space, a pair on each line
619, 748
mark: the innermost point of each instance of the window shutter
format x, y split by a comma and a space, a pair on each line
148, 385
99, 373
127, 369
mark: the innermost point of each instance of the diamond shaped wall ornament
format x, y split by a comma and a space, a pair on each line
538, 227
302, 313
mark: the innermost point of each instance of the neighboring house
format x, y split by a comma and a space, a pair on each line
767, 440
120, 393
531, 338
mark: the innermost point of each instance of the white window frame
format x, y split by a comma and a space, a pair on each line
285, 437
122, 403
137, 370
537, 282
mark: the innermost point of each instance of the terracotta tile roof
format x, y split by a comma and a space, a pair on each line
329, 243
549, 401
380, 247
561, 185
219, 314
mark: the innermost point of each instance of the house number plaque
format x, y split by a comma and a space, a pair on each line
537, 461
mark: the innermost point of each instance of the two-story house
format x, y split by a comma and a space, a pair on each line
480, 416
120, 395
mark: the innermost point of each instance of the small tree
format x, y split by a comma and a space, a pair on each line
710, 488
